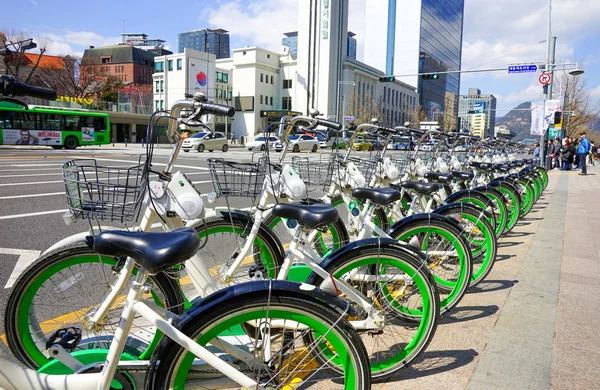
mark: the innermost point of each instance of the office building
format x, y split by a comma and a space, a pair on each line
478, 125
181, 74
476, 103
428, 39
213, 41
141, 41
351, 51
129, 64
290, 43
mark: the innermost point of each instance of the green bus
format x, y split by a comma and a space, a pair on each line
52, 126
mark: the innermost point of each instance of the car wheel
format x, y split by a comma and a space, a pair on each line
201, 148
262, 148
210, 151
225, 148
186, 150
314, 149
296, 148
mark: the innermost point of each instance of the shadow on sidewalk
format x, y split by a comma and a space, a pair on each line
467, 313
508, 243
517, 234
492, 285
504, 257
435, 362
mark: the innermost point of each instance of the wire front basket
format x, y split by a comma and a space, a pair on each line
315, 173
101, 192
237, 179
367, 167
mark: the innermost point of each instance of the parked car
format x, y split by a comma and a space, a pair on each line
328, 143
300, 142
205, 141
424, 147
260, 143
361, 144
401, 146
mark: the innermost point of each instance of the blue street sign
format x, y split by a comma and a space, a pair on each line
522, 68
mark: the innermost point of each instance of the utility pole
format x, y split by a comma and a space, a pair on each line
548, 89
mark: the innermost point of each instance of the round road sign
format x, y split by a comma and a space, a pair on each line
544, 78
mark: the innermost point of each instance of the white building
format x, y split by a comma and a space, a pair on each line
181, 74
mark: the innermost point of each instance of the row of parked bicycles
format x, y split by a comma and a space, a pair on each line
335, 276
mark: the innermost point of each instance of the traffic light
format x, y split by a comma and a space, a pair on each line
557, 117
430, 76
387, 79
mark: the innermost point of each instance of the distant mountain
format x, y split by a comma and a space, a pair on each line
518, 121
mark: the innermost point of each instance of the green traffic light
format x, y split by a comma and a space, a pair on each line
435, 76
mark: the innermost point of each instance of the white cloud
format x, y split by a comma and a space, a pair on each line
261, 23
73, 42
498, 33
595, 93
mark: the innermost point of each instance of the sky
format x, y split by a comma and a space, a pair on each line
496, 33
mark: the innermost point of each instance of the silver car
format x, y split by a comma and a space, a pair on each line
205, 141
300, 142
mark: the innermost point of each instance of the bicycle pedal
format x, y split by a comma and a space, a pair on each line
68, 338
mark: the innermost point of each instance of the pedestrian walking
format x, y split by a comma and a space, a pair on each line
591, 153
536, 151
582, 151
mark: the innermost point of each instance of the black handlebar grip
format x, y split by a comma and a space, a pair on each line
388, 130
22, 89
329, 124
218, 109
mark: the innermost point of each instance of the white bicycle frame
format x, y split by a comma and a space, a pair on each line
20, 377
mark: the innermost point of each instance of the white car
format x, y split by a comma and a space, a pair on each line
205, 141
300, 142
260, 142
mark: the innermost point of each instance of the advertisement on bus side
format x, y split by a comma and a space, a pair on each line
31, 137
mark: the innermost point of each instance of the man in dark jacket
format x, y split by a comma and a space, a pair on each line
582, 151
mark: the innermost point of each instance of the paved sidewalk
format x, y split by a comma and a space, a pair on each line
533, 323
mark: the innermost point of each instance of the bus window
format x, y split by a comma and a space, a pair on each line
25, 120
99, 123
49, 121
72, 123
6, 120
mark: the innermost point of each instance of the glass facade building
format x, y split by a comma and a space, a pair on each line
212, 41
291, 42
351, 52
440, 49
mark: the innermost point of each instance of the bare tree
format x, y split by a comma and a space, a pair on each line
15, 61
363, 108
70, 77
417, 116
579, 107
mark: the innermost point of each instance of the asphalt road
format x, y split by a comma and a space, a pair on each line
32, 195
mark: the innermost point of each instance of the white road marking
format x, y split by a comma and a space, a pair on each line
32, 165
32, 175
31, 195
31, 183
14, 216
26, 257
60, 173
29, 170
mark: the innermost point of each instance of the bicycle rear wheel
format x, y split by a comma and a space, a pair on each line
272, 329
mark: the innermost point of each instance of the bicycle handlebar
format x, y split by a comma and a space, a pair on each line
11, 87
217, 109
